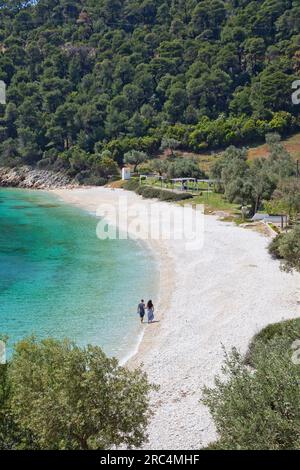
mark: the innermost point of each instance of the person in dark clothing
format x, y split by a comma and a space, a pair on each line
150, 311
141, 310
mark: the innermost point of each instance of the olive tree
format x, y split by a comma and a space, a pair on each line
72, 398
169, 144
184, 168
159, 166
257, 407
135, 158
286, 198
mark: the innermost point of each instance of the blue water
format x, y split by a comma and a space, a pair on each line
58, 279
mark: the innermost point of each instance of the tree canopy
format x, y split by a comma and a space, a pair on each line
252, 183
255, 402
55, 395
91, 76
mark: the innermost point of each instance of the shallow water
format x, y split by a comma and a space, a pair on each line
58, 279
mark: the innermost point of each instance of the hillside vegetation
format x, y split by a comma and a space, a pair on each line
255, 403
291, 144
88, 81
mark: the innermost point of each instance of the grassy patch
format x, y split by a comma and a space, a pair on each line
215, 202
275, 228
240, 221
153, 189
154, 182
289, 329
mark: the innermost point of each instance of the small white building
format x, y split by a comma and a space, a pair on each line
126, 175
280, 220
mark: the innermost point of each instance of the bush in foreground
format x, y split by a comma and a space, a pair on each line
55, 395
289, 330
258, 407
286, 247
274, 246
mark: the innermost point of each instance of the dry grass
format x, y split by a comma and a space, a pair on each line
205, 159
115, 184
292, 144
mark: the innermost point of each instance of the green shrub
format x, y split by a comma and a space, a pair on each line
286, 247
95, 181
161, 194
290, 250
80, 177
45, 163
287, 329
169, 196
55, 395
274, 247
132, 184
148, 192
257, 408
236, 130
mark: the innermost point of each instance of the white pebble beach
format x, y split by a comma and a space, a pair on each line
216, 298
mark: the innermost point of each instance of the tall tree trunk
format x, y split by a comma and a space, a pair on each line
257, 204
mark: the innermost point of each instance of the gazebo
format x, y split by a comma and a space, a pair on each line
196, 182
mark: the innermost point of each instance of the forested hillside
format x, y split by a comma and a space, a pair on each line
90, 80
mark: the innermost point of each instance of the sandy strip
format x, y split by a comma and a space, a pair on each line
222, 295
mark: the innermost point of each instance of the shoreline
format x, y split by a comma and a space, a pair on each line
219, 298
165, 277
164, 271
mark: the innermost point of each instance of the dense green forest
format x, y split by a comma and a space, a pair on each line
55, 395
88, 81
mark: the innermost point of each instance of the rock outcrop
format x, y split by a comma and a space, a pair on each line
33, 178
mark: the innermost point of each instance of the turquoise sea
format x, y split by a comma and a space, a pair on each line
58, 279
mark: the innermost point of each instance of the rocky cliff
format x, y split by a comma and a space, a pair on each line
33, 178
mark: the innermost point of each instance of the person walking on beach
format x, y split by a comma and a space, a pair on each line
150, 311
141, 310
